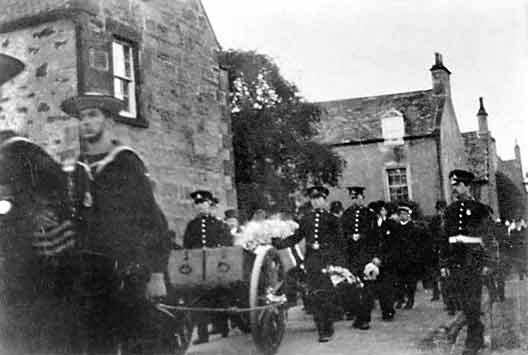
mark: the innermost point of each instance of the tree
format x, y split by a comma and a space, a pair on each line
273, 134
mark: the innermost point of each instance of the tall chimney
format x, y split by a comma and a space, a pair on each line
440, 75
517, 151
482, 117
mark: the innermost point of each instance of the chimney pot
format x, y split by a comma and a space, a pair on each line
482, 117
438, 58
482, 110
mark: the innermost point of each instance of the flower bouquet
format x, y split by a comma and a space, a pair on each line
340, 274
255, 233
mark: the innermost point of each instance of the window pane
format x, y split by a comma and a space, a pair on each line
132, 98
397, 179
118, 88
123, 72
128, 61
118, 58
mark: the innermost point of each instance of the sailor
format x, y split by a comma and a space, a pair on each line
127, 243
40, 238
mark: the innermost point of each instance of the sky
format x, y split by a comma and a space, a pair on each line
336, 49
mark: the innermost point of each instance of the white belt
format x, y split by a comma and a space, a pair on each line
465, 239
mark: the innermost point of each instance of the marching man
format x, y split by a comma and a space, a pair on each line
465, 259
324, 247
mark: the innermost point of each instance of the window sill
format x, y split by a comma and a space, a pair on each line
136, 122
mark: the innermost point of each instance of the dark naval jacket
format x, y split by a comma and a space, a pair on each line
206, 231
362, 239
128, 224
411, 238
390, 246
324, 241
467, 218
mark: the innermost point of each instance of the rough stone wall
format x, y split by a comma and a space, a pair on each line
187, 144
29, 102
366, 166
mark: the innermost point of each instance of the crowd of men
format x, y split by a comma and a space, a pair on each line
455, 253
96, 244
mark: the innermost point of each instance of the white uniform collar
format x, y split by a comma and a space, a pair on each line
100, 164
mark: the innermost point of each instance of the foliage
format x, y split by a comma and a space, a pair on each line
273, 133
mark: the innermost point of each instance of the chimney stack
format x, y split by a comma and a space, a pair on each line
440, 75
482, 118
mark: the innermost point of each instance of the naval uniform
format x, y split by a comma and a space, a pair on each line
39, 266
390, 251
411, 265
206, 231
467, 226
362, 245
324, 245
127, 239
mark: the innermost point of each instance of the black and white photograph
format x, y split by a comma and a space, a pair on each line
250, 177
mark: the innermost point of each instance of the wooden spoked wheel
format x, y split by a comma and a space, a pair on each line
267, 276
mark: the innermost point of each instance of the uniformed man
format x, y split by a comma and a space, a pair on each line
39, 241
436, 229
466, 259
207, 231
388, 253
324, 246
410, 266
127, 241
359, 229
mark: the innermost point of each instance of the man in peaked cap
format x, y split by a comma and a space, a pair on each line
410, 267
39, 244
324, 245
128, 232
466, 257
207, 231
359, 229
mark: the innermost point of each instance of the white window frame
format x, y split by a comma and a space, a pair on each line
393, 127
407, 184
124, 73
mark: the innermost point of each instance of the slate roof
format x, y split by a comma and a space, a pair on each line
477, 154
359, 119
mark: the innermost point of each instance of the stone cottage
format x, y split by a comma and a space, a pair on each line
403, 145
160, 56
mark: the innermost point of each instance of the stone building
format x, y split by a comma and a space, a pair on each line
160, 56
403, 146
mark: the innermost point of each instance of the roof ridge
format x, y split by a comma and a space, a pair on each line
400, 94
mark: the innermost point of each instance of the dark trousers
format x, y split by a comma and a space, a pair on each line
450, 294
323, 298
406, 286
468, 285
385, 291
38, 311
217, 298
366, 303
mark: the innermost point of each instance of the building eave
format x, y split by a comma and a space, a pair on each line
381, 140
